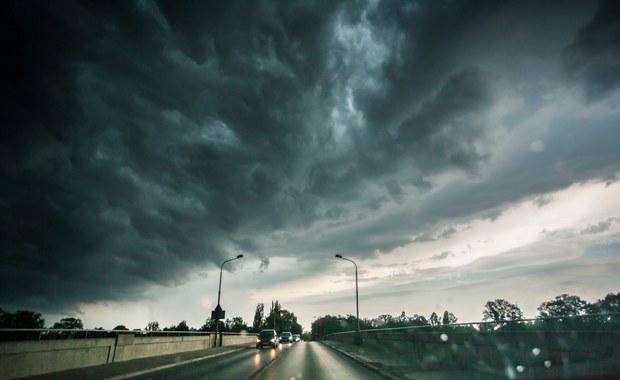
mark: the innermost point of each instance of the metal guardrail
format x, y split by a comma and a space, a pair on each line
528, 348
44, 334
609, 319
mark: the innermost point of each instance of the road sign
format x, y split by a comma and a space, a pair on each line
218, 313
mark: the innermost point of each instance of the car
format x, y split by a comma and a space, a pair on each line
296, 338
286, 337
267, 337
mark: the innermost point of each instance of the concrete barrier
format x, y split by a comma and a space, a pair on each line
231, 340
37, 357
27, 358
130, 347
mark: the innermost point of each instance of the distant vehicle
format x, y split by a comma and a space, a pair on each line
286, 337
296, 338
267, 337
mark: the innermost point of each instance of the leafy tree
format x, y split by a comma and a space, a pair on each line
6, 319
563, 305
236, 325
209, 325
182, 326
22, 319
384, 321
434, 319
609, 304
121, 328
152, 326
417, 320
284, 320
501, 310
259, 317
449, 318
69, 323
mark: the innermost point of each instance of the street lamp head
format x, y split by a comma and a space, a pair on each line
239, 256
339, 256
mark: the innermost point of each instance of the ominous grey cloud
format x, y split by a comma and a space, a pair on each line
140, 137
441, 256
142, 140
602, 226
593, 59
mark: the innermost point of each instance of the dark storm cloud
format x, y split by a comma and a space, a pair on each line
144, 140
141, 136
593, 59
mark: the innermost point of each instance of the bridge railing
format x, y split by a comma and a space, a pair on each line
28, 352
496, 347
47, 334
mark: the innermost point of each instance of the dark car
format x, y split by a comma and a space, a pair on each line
286, 337
267, 337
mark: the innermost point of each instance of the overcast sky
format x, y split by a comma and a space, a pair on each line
457, 151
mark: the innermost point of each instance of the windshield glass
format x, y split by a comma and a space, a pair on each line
439, 178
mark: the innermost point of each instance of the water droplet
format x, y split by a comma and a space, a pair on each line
520, 368
444, 337
547, 363
535, 351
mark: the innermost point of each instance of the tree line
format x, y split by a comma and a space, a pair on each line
278, 318
497, 314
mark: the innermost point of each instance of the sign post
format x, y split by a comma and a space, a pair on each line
217, 314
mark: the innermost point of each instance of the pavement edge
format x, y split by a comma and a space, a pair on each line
380, 371
166, 366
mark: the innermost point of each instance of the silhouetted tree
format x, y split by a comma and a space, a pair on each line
236, 325
121, 328
384, 321
417, 320
449, 318
182, 326
501, 310
259, 317
21, 319
209, 325
69, 323
562, 305
609, 304
152, 326
284, 320
434, 319
498, 311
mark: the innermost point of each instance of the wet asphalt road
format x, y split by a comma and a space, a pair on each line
298, 361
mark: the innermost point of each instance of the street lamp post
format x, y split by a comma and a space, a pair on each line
218, 309
358, 339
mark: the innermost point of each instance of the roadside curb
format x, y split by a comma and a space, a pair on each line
166, 366
380, 371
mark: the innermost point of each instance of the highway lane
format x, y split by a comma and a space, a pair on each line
311, 360
236, 365
304, 360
